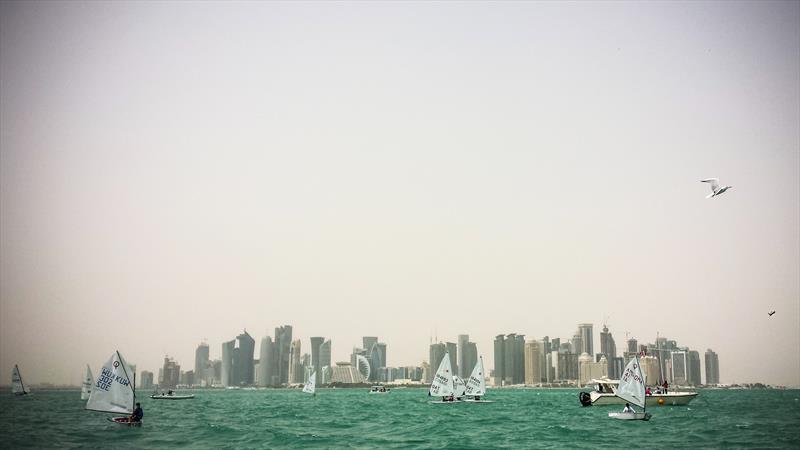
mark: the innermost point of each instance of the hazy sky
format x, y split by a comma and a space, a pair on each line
171, 172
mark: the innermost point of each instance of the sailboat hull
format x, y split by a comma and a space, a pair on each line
123, 421
442, 402
630, 416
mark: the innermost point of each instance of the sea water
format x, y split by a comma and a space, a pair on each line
352, 418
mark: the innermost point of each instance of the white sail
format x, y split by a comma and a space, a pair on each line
476, 383
442, 384
310, 386
632, 384
17, 386
113, 390
88, 381
459, 387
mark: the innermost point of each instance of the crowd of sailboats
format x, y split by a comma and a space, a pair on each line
453, 389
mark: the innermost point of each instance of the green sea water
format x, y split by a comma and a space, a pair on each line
351, 418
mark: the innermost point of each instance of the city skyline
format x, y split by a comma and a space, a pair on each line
172, 172
520, 370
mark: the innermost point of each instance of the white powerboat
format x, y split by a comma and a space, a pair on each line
605, 390
379, 390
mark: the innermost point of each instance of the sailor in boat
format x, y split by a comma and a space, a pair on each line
170, 392
137, 414
628, 409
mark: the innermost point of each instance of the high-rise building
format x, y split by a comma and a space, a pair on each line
509, 359
435, 353
712, 367
463, 339
228, 368
369, 342
452, 350
586, 331
171, 373
200, 363
266, 368
633, 346
295, 364
609, 348
534, 362
243, 359
470, 358
679, 365
499, 359
316, 343
576, 343
283, 343
693, 367
325, 356
147, 380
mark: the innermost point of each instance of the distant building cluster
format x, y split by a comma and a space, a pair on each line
281, 361
550, 361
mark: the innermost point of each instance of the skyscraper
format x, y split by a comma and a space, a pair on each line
435, 353
693, 367
499, 359
679, 367
463, 339
512, 355
295, 364
633, 346
283, 343
470, 358
534, 362
586, 331
609, 348
266, 366
712, 367
171, 373
452, 349
228, 368
324, 357
200, 363
316, 348
245, 365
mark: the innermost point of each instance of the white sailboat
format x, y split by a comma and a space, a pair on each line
114, 391
632, 389
442, 385
88, 381
310, 387
476, 384
17, 386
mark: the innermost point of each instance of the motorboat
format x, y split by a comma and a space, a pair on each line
171, 396
605, 389
379, 390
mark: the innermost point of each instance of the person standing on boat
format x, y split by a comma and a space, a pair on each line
137, 414
665, 386
628, 409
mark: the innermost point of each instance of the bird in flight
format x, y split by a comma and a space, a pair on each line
715, 189
771, 313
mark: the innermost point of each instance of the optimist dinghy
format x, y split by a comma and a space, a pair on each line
631, 389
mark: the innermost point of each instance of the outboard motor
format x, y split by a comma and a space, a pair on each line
585, 398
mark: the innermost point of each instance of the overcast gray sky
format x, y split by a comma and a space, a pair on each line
171, 172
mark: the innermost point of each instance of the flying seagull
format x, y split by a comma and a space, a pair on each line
771, 313
716, 190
